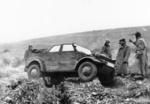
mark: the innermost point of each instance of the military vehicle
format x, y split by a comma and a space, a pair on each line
68, 58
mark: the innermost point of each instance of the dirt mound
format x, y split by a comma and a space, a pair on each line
34, 92
124, 91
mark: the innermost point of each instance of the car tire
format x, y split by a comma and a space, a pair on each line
33, 71
87, 71
47, 81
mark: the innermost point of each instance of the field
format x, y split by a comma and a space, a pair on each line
12, 66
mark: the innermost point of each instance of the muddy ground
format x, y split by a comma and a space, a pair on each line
71, 91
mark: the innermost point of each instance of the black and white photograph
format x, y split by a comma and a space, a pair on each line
74, 52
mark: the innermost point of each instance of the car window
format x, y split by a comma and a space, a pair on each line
55, 49
82, 49
67, 48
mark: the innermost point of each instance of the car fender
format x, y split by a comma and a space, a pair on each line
90, 58
35, 60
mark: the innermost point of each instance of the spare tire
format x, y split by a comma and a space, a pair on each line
106, 75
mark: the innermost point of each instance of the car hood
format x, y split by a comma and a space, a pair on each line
103, 57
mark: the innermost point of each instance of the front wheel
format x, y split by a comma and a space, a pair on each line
33, 71
87, 71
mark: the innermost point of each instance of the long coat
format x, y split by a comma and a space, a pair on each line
122, 59
141, 54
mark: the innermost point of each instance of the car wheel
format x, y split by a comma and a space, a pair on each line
47, 81
33, 71
87, 71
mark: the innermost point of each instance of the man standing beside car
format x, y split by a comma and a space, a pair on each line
106, 49
122, 58
141, 53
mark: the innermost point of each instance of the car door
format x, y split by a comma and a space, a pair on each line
67, 58
52, 59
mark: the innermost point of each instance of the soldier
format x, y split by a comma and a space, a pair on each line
106, 49
122, 58
141, 53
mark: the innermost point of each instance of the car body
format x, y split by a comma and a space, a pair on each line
66, 58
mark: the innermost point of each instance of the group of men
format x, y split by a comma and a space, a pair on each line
121, 64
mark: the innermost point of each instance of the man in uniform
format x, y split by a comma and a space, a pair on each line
106, 49
141, 53
122, 58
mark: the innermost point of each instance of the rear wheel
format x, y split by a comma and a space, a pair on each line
87, 71
33, 71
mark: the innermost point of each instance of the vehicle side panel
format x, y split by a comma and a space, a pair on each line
51, 61
67, 61
36, 60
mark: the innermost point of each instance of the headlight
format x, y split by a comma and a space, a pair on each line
110, 64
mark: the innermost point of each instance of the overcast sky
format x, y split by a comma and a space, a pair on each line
26, 19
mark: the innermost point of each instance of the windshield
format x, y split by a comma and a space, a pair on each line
83, 50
